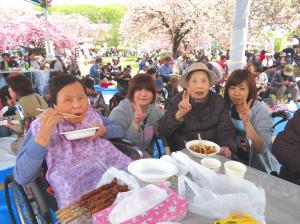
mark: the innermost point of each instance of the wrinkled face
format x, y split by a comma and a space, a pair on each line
198, 85
143, 97
238, 93
72, 100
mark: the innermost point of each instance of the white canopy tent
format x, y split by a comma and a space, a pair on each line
239, 35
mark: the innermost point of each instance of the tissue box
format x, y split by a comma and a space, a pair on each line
173, 209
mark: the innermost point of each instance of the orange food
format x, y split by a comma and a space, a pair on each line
203, 149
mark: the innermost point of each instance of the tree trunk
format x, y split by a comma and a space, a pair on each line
175, 45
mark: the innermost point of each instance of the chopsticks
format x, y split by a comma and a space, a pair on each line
64, 114
201, 143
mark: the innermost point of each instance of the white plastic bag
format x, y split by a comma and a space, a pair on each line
292, 106
122, 177
216, 195
182, 169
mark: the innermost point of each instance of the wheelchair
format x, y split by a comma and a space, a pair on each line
34, 202
244, 143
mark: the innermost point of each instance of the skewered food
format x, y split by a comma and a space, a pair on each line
91, 203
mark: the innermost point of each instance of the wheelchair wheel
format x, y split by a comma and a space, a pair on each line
23, 205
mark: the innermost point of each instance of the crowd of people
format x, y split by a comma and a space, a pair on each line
177, 99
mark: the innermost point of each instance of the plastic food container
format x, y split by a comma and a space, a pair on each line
212, 164
235, 169
206, 143
79, 134
152, 170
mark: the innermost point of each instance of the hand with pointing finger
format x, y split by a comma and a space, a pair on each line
184, 106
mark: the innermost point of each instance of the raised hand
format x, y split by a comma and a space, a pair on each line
184, 106
100, 132
138, 116
244, 110
49, 119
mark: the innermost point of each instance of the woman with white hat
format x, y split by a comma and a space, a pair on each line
198, 111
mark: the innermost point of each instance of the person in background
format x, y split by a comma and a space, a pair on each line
166, 69
116, 68
262, 56
286, 149
6, 101
222, 62
181, 63
7, 62
96, 98
95, 70
198, 110
284, 81
20, 88
54, 65
172, 88
161, 93
126, 74
33, 63
268, 60
152, 72
121, 95
73, 68
5, 65
262, 83
138, 115
281, 61
252, 69
104, 73
252, 118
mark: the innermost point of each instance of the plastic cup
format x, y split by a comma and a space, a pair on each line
212, 164
235, 169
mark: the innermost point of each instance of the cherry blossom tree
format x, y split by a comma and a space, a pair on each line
160, 20
202, 22
24, 28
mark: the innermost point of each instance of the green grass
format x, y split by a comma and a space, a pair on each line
124, 62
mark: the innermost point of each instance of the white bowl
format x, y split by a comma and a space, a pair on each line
212, 164
235, 169
79, 134
204, 142
152, 170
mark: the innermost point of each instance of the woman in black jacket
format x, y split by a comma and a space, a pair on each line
198, 110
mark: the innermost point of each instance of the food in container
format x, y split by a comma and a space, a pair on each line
205, 149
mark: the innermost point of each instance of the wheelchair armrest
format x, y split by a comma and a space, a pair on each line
249, 144
128, 148
250, 150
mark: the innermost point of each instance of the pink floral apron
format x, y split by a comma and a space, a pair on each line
75, 167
